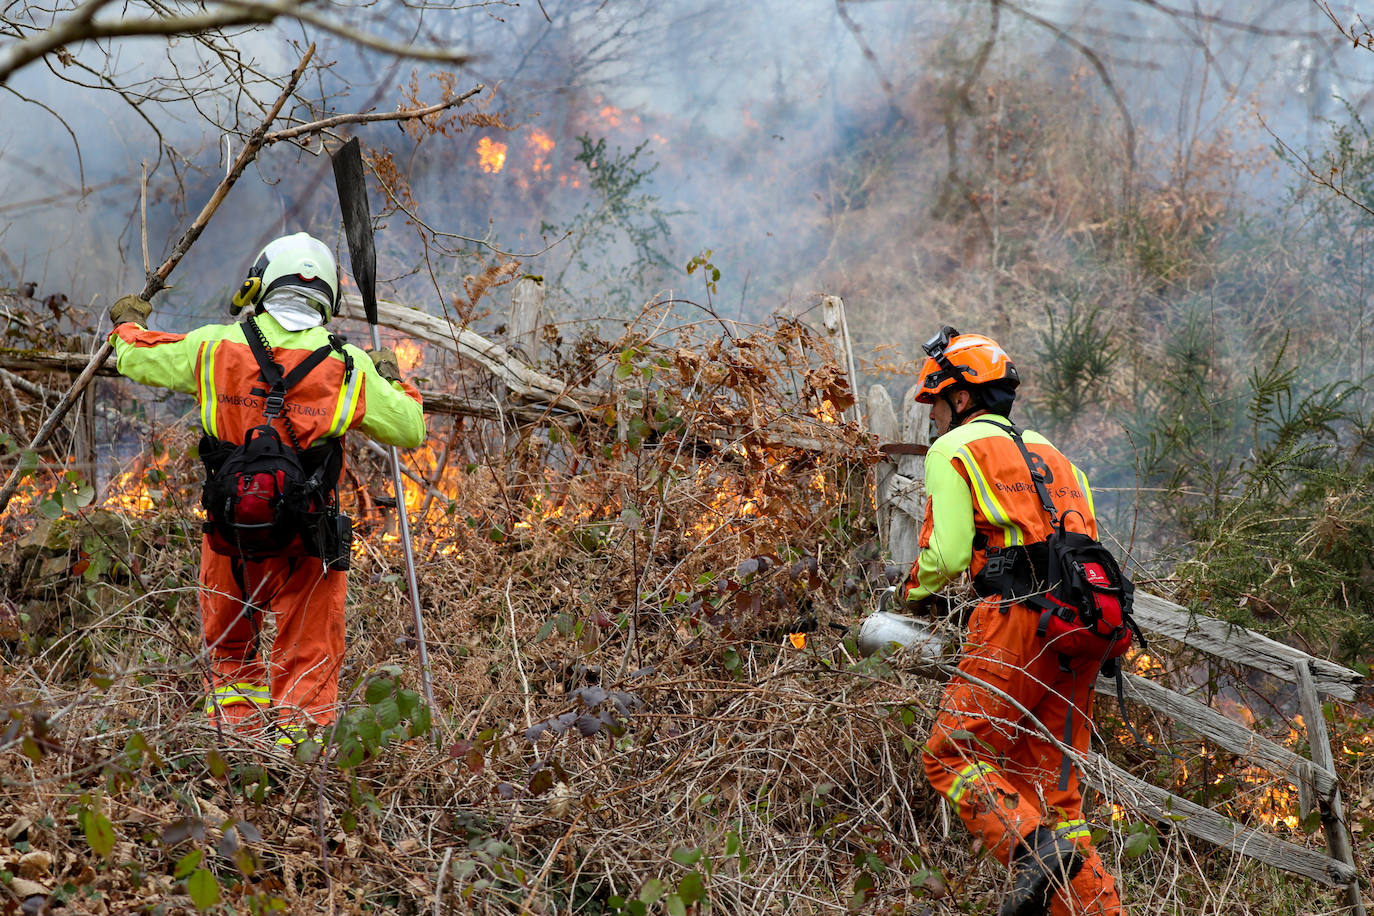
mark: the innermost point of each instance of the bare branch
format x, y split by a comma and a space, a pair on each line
1326, 178
82, 25
1106, 79
404, 114
158, 279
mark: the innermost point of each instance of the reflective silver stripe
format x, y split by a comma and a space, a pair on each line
207, 386
1074, 830
241, 692
347, 405
1087, 491
988, 501
291, 735
967, 776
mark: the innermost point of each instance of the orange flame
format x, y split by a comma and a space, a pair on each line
491, 155
409, 354
539, 141
540, 145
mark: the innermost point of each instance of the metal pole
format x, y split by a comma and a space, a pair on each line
403, 518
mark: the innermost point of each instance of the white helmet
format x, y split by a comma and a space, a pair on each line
299, 261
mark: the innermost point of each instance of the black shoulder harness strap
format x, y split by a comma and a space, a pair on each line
270, 371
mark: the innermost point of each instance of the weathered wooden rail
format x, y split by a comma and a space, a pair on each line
901, 508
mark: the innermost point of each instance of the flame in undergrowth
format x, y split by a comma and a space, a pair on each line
540, 145
491, 155
539, 141
611, 115
730, 501
410, 355
134, 491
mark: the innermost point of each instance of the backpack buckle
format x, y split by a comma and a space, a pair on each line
274, 405
999, 564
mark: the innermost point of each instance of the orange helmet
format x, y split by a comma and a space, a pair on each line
954, 359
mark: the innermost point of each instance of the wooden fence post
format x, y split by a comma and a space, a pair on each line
882, 421
526, 315
1332, 811
837, 326
905, 490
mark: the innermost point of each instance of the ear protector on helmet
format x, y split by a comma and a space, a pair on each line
251, 290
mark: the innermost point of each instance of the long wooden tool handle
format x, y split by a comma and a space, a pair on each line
158, 280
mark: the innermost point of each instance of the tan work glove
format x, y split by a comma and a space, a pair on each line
385, 361
130, 308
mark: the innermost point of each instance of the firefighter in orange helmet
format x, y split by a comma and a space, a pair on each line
1010, 784
327, 388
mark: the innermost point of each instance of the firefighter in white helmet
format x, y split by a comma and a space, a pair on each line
276, 378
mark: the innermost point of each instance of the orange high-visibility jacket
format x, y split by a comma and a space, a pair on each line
980, 494
215, 364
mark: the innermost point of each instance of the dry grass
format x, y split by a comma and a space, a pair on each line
656, 583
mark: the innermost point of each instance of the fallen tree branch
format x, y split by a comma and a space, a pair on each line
524, 382
808, 436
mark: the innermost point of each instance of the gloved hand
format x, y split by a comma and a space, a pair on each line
385, 361
936, 605
130, 308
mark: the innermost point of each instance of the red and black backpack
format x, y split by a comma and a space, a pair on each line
264, 497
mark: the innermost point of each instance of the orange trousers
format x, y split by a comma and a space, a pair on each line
995, 767
299, 681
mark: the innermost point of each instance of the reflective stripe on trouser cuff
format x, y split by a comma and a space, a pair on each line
967, 776
291, 735
242, 692
1074, 830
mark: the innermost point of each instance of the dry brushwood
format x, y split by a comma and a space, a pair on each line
645, 692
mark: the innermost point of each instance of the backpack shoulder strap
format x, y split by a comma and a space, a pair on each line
307, 364
1037, 476
268, 370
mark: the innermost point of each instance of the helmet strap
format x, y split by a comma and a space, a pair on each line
956, 416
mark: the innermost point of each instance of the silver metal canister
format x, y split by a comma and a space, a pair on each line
883, 627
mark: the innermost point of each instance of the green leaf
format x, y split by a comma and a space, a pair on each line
100, 835
388, 713
691, 888
189, 863
378, 690
203, 888
673, 903
420, 722
652, 891
1137, 844
50, 508
686, 857
732, 661
216, 764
